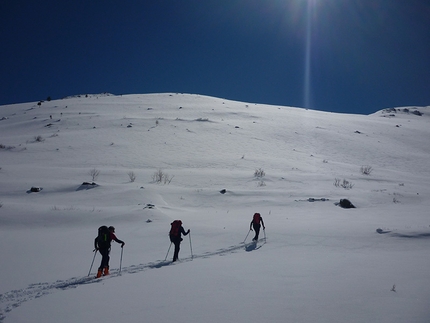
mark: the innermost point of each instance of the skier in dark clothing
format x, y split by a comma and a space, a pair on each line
175, 236
256, 219
102, 244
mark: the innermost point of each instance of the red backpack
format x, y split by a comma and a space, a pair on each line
256, 218
174, 230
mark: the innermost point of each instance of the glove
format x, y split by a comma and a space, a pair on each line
188, 231
122, 245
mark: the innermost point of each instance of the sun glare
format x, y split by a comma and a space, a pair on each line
310, 11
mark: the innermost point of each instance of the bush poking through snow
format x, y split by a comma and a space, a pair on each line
132, 176
94, 173
39, 138
259, 173
366, 170
160, 177
345, 184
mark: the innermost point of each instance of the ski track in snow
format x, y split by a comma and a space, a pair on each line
14, 298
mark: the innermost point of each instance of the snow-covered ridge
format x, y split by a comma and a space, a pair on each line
223, 160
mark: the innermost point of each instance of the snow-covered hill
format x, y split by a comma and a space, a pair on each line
319, 263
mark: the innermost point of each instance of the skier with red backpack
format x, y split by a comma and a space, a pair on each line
256, 220
102, 244
175, 236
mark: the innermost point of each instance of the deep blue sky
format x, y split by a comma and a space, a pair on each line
354, 56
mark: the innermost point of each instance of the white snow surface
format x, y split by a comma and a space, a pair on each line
315, 262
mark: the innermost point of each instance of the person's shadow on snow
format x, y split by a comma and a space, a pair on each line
251, 246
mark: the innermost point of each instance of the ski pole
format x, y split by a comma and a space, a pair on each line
191, 246
120, 262
247, 235
168, 251
95, 252
264, 230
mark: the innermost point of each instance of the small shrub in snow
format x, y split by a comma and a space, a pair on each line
6, 147
94, 173
366, 170
157, 177
39, 139
132, 176
160, 177
259, 173
345, 184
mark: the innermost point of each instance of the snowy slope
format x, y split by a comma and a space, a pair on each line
319, 263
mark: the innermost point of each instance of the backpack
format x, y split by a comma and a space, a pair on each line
256, 218
174, 230
103, 238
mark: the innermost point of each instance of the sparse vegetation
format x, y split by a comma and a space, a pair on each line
6, 147
259, 173
132, 176
94, 173
345, 184
261, 183
39, 138
161, 177
366, 170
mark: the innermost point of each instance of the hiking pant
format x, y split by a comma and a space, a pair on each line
105, 258
257, 230
177, 242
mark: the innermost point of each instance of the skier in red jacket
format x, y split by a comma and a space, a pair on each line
256, 219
